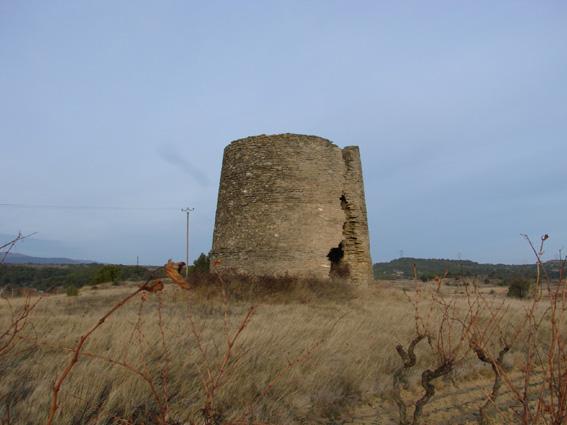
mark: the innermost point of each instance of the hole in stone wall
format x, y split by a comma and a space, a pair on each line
344, 201
336, 254
338, 267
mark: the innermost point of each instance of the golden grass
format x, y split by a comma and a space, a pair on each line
347, 343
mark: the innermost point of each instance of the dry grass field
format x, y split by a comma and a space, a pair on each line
309, 356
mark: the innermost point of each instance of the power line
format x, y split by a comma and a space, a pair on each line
85, 207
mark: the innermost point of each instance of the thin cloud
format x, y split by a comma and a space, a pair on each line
172, 156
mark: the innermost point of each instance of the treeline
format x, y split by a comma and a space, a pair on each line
44, 277
402, 268
51, 276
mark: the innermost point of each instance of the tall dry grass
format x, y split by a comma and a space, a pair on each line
249, 351
354, 357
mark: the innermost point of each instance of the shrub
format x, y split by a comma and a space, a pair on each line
519, 287
201, 264
426, 277
286, 289
109, 273
72, 291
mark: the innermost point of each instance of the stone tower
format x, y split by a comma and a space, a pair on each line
290, 203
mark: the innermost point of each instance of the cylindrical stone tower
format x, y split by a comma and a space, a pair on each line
292, 204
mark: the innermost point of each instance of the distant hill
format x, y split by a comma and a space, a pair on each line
15, 258
401, 268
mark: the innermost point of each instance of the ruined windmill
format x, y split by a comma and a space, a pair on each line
294, 204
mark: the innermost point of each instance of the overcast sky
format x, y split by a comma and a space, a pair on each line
459, 109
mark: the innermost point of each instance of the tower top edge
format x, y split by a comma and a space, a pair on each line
284, 137
351, 148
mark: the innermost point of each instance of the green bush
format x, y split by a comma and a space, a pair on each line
520, 287
201, 264
72, 291
109, 273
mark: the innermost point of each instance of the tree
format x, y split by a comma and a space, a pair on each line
201, 264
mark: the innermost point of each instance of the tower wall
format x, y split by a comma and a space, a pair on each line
285, 201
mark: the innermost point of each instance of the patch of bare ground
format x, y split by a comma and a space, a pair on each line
457, 403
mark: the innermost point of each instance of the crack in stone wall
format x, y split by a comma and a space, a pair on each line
355, 227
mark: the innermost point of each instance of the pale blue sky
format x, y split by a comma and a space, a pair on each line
459, 109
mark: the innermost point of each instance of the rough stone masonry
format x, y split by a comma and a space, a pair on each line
294, 204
